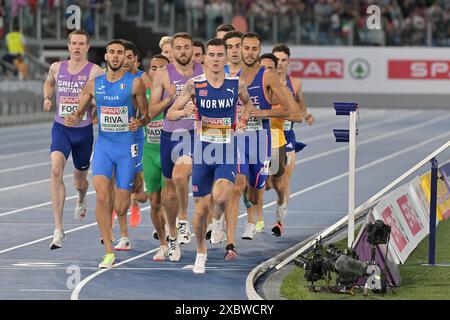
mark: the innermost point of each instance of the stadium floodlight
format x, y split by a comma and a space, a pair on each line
343, 135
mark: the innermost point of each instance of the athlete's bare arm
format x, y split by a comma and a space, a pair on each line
246, 102
147, 80
141, 98
181, 108
160, 83
96, 71
272, 83
49, 85
86, 95
300, 100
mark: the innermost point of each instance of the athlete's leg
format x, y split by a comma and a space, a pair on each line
170, 203
57, 187
103, 209
181, 174
199, 221
232, 212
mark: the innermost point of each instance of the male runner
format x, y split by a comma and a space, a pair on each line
261, 83
131, 63
116, 95
176, 140
165, 44
199, 52
69, 77
223, 29
283, 53
215, 158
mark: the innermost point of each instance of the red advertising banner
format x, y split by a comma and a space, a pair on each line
410, 214
419, 69
316, 68
396, 232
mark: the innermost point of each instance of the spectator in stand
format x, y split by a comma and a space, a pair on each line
322, 14
217, 12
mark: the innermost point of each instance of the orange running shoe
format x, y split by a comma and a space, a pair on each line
135, 215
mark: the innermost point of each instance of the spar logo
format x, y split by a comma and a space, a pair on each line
359, 69
316, 68
123, 110
419, 69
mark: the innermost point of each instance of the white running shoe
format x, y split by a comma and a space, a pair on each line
80, 210
58, 237
249, 232
174, 250
281, 212
123, 244
200, 262
217, 233
161, 254
184, 232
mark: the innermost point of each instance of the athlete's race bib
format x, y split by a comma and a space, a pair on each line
67, 105
114, 119
287, 125
192, 115
154, 131
216, 130
254, 124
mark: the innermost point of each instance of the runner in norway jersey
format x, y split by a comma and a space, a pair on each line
216, 115
116, 147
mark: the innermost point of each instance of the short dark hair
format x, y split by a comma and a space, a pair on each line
200, 44
131, 46
225, 27
282, 48
216, 42
115, 41
160, 56
79, 32
270, 56
251, 35
231, 35
183, 35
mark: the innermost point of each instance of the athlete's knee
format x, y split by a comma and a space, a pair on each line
57, 172
103, 199
180, 178
170, 196
121, 209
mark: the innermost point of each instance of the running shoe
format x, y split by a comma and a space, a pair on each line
299, 146
161, 254
230, 253
249, 232
259, 227
208, 231
174, 250
278, 229
80, 210
135, 215
281, 212
123, 244
108, 261
58, 237
184, 232
200, 262
155, 235
247, 202
217, 232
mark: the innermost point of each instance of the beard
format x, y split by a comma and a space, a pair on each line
249, 64
114, 69
185, 62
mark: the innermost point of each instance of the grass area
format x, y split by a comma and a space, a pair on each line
417, 282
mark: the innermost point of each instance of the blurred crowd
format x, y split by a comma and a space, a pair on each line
329, 22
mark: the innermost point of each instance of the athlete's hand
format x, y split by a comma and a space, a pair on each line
189, 109
47, 104
134, 124
255, 113
241, 126
72, 120
309, 118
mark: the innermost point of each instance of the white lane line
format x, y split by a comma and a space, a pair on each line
40, 205
373, 139
32, 183
367, 126
21, 143
43, 290
22, 154
79, 287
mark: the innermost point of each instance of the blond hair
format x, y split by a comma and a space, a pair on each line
164, 40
